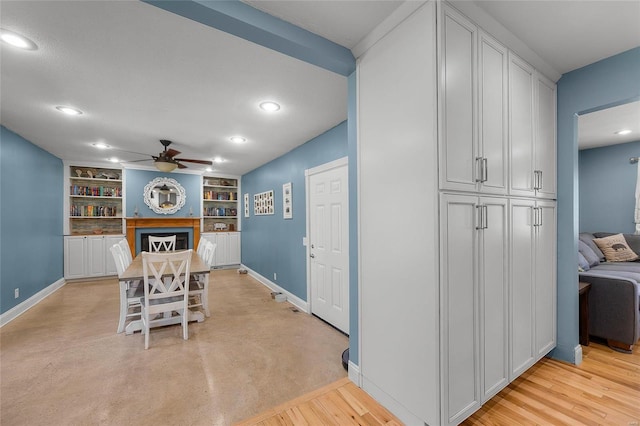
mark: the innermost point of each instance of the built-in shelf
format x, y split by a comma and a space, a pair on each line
95, 200
219, 204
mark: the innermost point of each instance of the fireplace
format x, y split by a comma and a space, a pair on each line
182, 239
136, 225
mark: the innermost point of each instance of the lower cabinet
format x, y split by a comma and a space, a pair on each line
533, 282
227, 247
474, 301
89, 256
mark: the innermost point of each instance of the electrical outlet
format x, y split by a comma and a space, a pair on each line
16, 293
275, 276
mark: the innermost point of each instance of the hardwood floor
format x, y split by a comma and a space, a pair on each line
603, 390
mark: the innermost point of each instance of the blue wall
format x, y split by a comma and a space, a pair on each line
605, 83
601, 170
31, 222
136, 180
271, 244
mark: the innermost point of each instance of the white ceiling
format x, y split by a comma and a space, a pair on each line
599, 128
141, 74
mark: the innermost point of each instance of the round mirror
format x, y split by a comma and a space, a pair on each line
164, 195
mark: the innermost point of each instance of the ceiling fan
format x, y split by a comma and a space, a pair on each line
166, 161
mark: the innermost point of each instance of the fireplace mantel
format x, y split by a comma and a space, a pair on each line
134, 223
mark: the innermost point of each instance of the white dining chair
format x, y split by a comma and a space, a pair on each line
201, 246
130, 294
166, 288
126, 250
199, 284
157, 244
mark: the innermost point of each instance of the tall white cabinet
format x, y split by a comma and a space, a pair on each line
460, 305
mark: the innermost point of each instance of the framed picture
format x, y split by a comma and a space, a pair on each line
287, 201
263, 203
246, 205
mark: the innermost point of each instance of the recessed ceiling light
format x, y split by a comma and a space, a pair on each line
208, 169
218, 160
623, 132
237, 139
17, 40
113, 159
69, 110
269, 106
101, 145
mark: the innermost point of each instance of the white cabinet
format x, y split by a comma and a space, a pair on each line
89, 256
227, 247
474, 272
75, 257
533, 282
545, 137
473, 108
532, 124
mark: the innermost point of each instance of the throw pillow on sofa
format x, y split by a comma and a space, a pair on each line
583, 264
589, 255
615, 248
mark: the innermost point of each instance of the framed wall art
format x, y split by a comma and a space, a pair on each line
263, 203
287, 201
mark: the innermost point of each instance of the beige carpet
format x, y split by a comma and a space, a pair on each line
62, 363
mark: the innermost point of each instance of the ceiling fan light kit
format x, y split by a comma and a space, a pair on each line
165, 166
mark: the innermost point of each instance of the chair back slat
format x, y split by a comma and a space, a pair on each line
118, 258
126, 250
165, 274
157, 244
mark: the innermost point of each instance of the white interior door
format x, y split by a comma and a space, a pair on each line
328, 244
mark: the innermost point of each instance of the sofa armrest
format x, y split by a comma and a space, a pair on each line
614, 307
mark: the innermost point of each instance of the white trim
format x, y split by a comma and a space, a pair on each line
291, 298
386, 26
577, 355
388, 402
344, 161
23, 307
354, 374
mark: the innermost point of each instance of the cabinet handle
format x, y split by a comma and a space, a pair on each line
537, 216
485, 169
479, 171
537, 179
540, 215
485, 217
479, 216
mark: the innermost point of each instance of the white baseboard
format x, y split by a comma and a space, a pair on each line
291, 298
23, 307
577, 355
354, 374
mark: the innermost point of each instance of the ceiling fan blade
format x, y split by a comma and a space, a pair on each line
171, 152
181, 166
209, 163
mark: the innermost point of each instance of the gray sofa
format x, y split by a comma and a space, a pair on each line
614, 298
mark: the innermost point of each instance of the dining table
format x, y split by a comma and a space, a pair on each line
134, 272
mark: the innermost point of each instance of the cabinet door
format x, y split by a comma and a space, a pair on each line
74, 257
458, 145
459, 291
222, 249
234, 248
522, 282
492, 115
109, 263
494, 314
545, 146
545, 279
95, 256
521, 85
